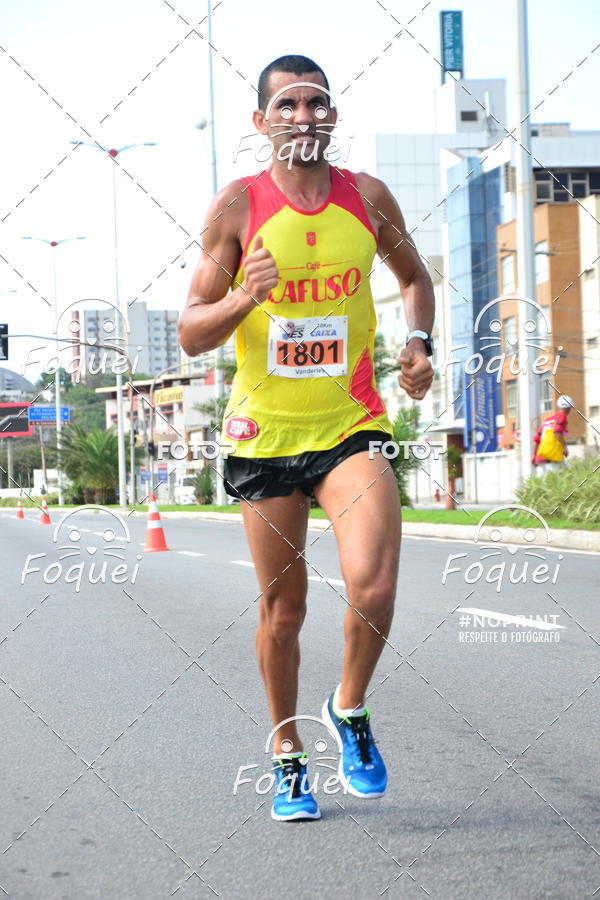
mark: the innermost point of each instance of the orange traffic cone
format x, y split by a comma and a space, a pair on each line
20, 513
155, 536
45, 515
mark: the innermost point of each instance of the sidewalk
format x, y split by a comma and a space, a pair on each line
588, 541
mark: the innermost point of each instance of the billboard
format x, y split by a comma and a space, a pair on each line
480, 405
451, 34
14, 420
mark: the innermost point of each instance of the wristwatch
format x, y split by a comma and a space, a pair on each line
426, 338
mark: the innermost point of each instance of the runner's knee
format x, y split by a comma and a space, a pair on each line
374, 598
283, 616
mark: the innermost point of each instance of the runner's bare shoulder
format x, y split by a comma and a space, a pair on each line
229, 210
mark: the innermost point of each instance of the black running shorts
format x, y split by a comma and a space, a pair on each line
277, 476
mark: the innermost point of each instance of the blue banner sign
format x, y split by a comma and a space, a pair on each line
48, 414
480, 406
452, 40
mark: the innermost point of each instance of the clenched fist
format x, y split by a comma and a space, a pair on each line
260, 272
417, 373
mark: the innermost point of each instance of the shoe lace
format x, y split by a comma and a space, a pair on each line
290, 773
361, 732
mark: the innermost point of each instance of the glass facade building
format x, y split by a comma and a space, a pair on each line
473, 210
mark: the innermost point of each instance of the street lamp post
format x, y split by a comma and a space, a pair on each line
219, 355
528, 403
113, 153
53, 245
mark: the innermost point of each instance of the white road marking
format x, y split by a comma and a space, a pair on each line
242, 562
189, 553
325, 580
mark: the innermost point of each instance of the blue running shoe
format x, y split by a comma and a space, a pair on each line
292, 798
362, 770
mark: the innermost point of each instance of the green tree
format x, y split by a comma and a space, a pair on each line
89, 459
27, 457
46, 380
405, 429
384, 360
453, 463
204, 486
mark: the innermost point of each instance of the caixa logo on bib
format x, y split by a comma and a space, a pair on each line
241, 428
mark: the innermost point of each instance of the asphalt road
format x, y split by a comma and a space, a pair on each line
129, 706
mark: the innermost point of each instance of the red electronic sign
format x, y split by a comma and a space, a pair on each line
14, 420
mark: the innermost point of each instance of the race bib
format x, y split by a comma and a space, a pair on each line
308, 348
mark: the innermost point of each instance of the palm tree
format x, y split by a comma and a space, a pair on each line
89, 459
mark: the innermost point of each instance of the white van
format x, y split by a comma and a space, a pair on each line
184, 490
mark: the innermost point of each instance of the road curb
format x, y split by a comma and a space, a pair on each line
588, 541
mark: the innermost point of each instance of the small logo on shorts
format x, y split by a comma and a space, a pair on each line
241, 428
311, 238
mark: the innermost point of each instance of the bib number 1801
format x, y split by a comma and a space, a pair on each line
309, 353
308, 347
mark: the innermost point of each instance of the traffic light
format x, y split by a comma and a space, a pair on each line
151, 447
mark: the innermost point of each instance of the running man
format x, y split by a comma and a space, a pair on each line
286, 261
550, 439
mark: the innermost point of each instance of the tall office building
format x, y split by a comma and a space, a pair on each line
555, 322
150, 336
589, 280
409, 164
480, 196
455, 187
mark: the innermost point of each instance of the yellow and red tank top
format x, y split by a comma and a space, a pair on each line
305, 377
